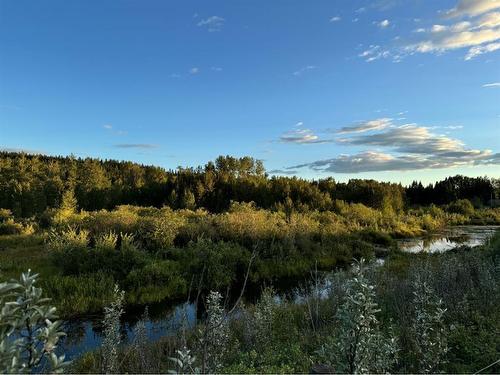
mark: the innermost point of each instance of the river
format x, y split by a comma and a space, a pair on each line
165, 318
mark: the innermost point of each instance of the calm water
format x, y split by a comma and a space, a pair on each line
167, 318
449, 238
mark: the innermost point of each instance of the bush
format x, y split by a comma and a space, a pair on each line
29, 332
462, 207
155, 282
9, 227
218, 264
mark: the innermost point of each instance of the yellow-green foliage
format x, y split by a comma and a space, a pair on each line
156, 229
8, 225
106, 241
127, 242
68, 238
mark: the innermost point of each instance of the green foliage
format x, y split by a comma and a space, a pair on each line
66, 209
214, 335
184, 362
9, 226
395, 318
75, 295
155, 282
73, 255
428, 327
263, 317
106, 242
34, 184
212, 265
28, 330
462, 207
360, 346
112, 335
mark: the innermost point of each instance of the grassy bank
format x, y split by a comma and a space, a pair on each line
157, 254
465, 283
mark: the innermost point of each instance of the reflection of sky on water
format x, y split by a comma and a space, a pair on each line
86, 334
448, 239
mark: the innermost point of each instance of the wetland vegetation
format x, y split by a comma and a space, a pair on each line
227, 234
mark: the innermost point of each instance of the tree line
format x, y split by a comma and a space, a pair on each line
31, 184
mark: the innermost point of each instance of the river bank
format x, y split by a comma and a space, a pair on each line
166, 317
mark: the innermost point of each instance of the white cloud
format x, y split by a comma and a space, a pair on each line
479, 50
367, 161
108, 126
216, 69
493, 84
194, 70
489, 20
471, 8
409, 138
335, 19
383, 24
213, 23
301, 135
443, 39
478, 34
365, 126
303, 70
401, 147
375, 52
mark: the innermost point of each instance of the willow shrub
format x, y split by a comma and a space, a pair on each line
29, 331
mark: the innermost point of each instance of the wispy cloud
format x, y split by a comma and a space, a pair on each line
110, 128
301, 135
303, 70
194, 70
472, 8
212, 24
480, 32
287, 172
374, 52
493, 84
472, 25
400, 147
21, 150
136, 145
365, 126
335, 19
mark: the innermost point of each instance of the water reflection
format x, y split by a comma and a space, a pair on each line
448, 239
86, 334
165, 320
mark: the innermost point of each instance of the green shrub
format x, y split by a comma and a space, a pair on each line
106, 241
29, 332
462, 207
155, 282
80, 294
9, 227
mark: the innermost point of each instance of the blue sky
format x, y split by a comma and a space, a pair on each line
390, 89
